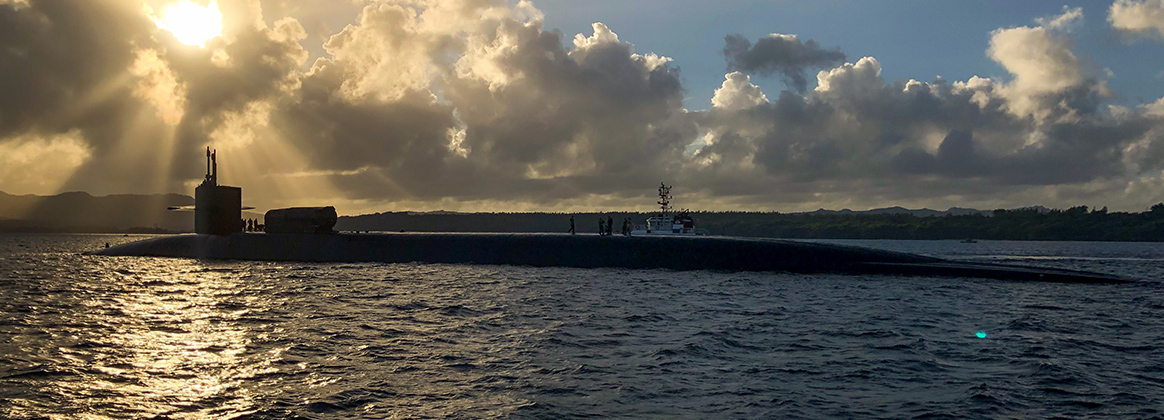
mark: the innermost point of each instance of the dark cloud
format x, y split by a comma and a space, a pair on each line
779, 53
1093, 152
64, 69
474, 105
54, 57
102, 69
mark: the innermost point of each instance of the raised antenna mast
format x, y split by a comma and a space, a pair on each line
214, 167
207, 179
665, 197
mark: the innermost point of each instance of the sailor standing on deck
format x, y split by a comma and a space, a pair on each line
601, 227
571, 224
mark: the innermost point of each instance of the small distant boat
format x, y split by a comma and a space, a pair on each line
665, 223
969, 241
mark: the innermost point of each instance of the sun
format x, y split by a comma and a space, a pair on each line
190, 23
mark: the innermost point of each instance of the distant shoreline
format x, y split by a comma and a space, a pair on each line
152, 231
80, 212
1074, 224
88, 230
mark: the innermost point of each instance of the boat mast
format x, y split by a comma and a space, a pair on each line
665, 197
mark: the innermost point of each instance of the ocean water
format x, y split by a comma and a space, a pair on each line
119, 337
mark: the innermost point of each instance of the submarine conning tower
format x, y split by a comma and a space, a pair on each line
217, 208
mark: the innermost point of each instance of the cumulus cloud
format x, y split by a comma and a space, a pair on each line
1047, 81
493, 107
1138, 17
858, 137
779, 53
475, 105
737, 93
1155, 109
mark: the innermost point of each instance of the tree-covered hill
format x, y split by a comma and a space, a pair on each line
1076, 223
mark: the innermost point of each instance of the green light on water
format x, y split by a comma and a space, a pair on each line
981, 334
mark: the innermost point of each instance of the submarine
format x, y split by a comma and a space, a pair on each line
305, 234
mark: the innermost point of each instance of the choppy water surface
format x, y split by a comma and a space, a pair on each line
96, 337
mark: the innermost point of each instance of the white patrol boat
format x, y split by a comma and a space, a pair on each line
666, 223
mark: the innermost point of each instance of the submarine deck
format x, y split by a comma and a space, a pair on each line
585, 251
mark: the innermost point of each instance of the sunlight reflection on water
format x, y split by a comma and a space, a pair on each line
101, 337
165, 343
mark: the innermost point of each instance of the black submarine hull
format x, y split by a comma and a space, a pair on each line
585, 251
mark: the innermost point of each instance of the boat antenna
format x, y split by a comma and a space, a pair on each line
665, 197
214, 167
207, 179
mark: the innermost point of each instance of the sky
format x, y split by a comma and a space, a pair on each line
559, 105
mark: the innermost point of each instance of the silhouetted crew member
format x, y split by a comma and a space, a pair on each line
609, 225
571, 225
601, 227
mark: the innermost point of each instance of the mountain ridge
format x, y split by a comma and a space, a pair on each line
79, 211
